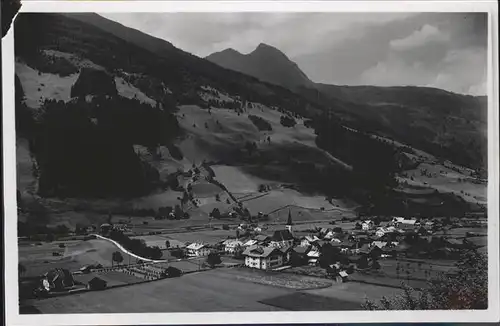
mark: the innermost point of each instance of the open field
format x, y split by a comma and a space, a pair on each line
303, 301
446, 180
237, 181
154, 201
213, 290
199, 292
39, 259
285, 280
191, 265
41, 250
209, 236
461, 232
274, 200
419, 273
39, 86
355, 292
113, 278
206, 236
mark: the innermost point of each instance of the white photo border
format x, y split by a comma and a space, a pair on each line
9, 160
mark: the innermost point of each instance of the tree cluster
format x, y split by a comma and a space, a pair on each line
467, 288
261, 123
287, 121
137, 246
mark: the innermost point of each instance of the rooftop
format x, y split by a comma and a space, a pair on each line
282, 235
259, 251
196, 246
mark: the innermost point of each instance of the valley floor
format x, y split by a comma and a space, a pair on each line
210, 291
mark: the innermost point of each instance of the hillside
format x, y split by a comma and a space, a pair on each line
105, 124
265, 63
451, 126
448, 125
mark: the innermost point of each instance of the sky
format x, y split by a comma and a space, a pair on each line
443, 50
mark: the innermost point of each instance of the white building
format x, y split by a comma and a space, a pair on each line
380, 232
313, 257
367, 225
308, 240
197, 250
230, 245
263, 257
380, 244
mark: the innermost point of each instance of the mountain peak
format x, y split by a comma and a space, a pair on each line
267, 49
229, 51
265, 46
266, 63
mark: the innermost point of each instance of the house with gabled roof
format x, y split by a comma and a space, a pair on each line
308, 240
313, 257
380, 244
263, 257
58, 279
366, 225
197, 250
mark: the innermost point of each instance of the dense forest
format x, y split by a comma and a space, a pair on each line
85, 147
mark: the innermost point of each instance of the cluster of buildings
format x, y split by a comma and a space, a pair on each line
366, 242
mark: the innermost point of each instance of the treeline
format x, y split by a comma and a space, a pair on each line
39, 232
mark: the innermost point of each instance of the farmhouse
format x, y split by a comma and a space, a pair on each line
366, 225
343, 276
396, 220
308, 240
58, 279
197, 250
404, 223
381, 232
330, 235
313, 257
263, 257
380, 244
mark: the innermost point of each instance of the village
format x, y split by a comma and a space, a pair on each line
383, 253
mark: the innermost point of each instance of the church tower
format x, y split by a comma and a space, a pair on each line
289, 223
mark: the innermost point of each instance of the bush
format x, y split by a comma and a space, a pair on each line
213, 259
260, 123
172, 272
287, 121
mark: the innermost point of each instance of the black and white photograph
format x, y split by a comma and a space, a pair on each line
201, 162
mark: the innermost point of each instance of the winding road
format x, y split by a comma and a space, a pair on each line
128, 252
